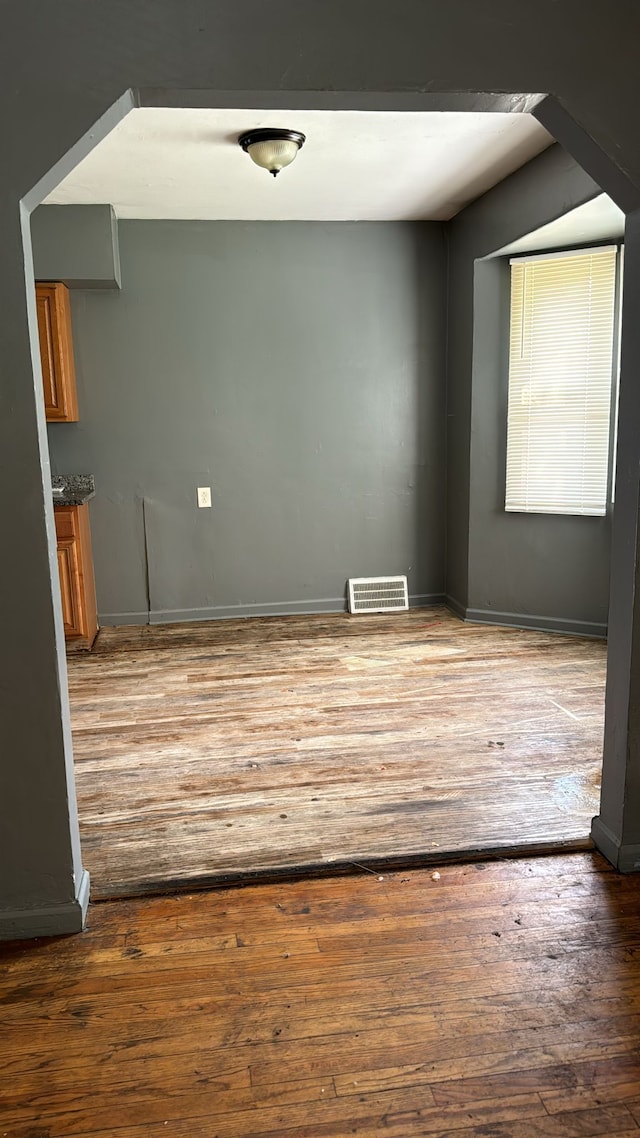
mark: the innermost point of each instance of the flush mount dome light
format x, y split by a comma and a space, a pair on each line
272, 149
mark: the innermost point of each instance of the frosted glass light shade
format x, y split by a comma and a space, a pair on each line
273, 156
272, 149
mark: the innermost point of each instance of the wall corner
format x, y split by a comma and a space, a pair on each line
47, 920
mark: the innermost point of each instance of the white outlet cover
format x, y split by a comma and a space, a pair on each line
204, 496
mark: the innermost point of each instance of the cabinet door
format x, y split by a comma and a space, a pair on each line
56, 353
68, 569
75, 568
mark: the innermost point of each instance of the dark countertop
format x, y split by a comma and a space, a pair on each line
72, 489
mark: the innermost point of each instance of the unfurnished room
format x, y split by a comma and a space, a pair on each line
321, 455
260, 406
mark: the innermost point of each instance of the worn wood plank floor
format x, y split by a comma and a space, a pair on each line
501, 1000
206, 751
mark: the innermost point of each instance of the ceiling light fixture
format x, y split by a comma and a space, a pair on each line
272, 149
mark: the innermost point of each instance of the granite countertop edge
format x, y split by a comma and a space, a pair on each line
72, 489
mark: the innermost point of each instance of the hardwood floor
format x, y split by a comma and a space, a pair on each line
209, 751
501, 1000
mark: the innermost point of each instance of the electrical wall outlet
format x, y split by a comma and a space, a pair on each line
204, 496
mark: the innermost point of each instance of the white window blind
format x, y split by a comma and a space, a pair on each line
560, 376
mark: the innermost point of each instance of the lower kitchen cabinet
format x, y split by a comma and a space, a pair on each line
75, 567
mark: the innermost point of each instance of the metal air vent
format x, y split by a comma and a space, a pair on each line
378, 594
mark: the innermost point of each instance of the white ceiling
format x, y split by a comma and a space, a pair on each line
596, 220
355, 165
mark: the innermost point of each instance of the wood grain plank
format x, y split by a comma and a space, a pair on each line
319, 1024
208, 752
380, 1114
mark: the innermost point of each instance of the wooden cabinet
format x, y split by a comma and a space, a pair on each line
56, 352
75, 566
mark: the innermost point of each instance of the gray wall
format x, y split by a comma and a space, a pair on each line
546, 569
77, 245
296, 368
60, 93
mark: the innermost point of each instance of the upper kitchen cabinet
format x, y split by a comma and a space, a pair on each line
56, 352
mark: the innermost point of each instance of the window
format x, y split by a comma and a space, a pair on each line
561, 365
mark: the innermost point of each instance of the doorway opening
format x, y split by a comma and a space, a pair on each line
427, 744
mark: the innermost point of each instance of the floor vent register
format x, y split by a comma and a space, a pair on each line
377, 594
